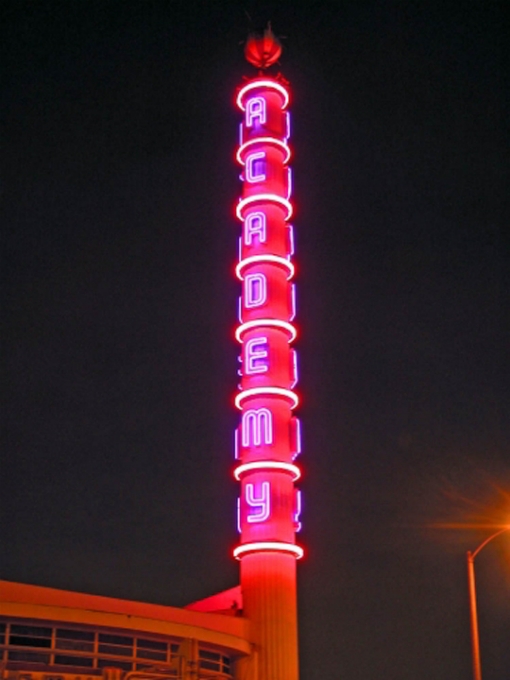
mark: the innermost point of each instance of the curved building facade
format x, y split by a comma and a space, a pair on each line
48, 634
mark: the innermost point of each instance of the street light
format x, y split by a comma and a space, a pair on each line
475, 641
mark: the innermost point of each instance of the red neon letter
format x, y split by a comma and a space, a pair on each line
255, 225
256, 354
255, 111
261, 503
255, 290
257, 427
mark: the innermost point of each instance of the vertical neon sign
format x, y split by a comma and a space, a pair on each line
267, 439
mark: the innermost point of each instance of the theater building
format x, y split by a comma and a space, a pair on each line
248, 632
49, 634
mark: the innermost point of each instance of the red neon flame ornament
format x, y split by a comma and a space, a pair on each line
263, 50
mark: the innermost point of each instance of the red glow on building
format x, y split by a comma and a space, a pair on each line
268, 436
266, 397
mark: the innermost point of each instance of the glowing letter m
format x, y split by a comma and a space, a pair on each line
257, 427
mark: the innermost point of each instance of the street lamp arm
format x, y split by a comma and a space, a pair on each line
472, 555
475, 641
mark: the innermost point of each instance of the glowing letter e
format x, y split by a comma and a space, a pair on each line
261, 504
256, 355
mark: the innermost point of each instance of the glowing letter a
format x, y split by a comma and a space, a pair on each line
255, 225
255, 111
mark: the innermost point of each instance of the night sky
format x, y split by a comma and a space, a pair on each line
119, 304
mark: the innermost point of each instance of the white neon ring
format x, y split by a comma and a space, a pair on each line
263, 140
272, 391
257, 198
267, 465
277, 323
262, 83
276, 546
276, 259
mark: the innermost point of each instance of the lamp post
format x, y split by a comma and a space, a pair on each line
475, 641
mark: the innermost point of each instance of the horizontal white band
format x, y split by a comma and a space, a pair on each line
265, 546
266, 391
266, 323
254, 84
264, 198
271, 259
267, 465
262, 140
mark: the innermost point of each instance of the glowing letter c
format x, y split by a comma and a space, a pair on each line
252, 175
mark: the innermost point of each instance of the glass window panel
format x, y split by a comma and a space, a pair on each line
22, 641
210, 665
151, 644
30, 657
33, 631
70, 634
116, 650
61, 659
150, 654
116, 639
204, 654
113, 663
77, 645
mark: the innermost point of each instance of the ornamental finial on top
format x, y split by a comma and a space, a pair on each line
262, 49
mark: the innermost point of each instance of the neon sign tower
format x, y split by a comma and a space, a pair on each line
268, 435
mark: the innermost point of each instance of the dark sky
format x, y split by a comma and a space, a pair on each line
119, 304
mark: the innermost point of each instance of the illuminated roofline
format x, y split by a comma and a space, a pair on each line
258, 198
267, 465
268, 391
276, 259
263, 140
254, 84
268, 546
276, 323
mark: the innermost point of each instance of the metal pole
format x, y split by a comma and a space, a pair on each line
475, 640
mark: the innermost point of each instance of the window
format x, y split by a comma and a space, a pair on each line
78, 640
63, 660
30, 636
151, 649
30, 657
212, 661
117, 645
113, 663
